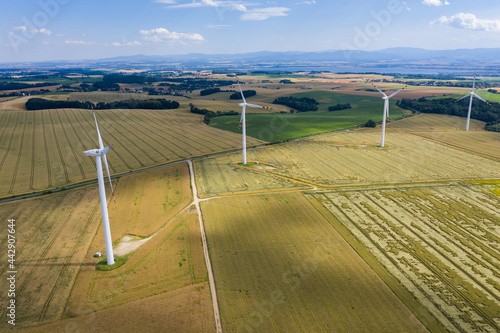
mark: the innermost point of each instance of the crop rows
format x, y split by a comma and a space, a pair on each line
221, 175
441, 243
40, 150
352, 158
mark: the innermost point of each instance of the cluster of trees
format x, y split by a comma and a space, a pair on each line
493, 91
480, 111
105, 86
20, 85
210, 114
153, 104
302, 104
246, 93
370, 123
339, 107
287, 81
41, 104
209, 91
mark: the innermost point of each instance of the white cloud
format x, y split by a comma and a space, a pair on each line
261, 14
436, 3
313, 2
160, 35
41, 31
211, 3
77, 42
470, 21
134, 43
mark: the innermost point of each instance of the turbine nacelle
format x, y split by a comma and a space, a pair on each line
97, 152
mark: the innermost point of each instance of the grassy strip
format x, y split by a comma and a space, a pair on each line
432, 324
103, 264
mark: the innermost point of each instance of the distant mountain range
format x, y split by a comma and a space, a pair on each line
480, 59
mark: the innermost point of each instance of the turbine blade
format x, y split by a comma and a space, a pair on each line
397, 92
479, 97
383, 94
101, 145
464, 97
258, 106
107, 171
241, 91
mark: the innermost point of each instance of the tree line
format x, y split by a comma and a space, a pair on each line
246, 93
210, 114
154, 104
302, 104
339, 107
480, 111
20, 85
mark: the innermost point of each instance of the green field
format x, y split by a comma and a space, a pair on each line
286, 126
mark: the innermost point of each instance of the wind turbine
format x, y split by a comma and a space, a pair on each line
98, 153
243, 120
386, 110
472, 95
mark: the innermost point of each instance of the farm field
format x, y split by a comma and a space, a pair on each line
58, 234
41, 150
441, 242
351, 158
221, 175
280, 266
111, 96
281, 127
427, 122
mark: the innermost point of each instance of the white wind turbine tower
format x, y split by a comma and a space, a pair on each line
472, 95
101, 151
386, 110
243, 120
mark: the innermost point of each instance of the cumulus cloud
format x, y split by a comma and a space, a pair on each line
261, 14
469, 21
41, 31
161, 35
436, 3
211, 3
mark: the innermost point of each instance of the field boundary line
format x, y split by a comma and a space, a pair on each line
211, 279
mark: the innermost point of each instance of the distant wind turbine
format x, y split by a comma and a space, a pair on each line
98, 153
386, 110
243, 120
472, 94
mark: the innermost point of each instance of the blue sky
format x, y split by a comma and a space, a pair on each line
36, 30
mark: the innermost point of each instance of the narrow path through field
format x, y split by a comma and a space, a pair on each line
196, 202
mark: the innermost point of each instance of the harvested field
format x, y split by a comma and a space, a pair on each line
427, 122
280, 266
484, 144
58, 234
148, 200
222, 175
53, 234
180, 310
41, 150
350, 158
442, 243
